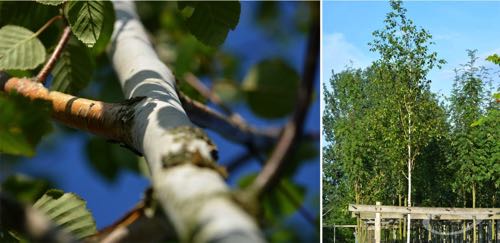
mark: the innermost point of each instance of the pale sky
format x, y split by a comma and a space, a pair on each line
455, 26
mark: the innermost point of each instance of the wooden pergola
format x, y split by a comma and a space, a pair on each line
380, 216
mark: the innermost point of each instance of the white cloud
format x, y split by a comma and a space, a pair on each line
339, 53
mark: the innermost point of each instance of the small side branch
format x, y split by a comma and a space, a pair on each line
47, 24
270, 174
42, 75
213, 97
232, 129
144, 223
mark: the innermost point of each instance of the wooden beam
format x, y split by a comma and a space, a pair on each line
340, 226
395, 212
428, 216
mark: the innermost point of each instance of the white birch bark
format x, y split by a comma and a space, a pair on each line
191, 192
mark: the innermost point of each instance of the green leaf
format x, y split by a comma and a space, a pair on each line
271, 88
28, 14
19, 73
281, 232
20, 48
267, 12
108, 159
277, 203
22, 124
86, 19
189, 53
68, 211
50, 2
495, 58
306, 151
107, 28
74, 68
210, 22
24, 188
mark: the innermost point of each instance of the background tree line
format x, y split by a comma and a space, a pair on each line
385, 129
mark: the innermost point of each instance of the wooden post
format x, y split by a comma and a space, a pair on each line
493, 233
464, 226
377, 224
404, 221
429, 232
474, 236
334, 233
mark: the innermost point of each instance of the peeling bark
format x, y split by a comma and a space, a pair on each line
112, 121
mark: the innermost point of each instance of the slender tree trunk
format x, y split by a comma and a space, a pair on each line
358, 219
474, 239
410, 165
409, 199
405, 221
181, 158
400, 236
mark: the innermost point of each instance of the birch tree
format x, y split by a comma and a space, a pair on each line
406, 59
161, 118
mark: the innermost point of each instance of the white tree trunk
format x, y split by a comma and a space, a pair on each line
181, 159
409, 205
410, 165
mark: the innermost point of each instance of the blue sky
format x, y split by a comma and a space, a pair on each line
455, 26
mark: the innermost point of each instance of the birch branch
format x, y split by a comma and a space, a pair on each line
105, 119
110, 119
180, 156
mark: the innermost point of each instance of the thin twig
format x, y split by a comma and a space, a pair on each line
271, 172
144, 223
199, 86
233, 130
42, 75
46, 25
328, 211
